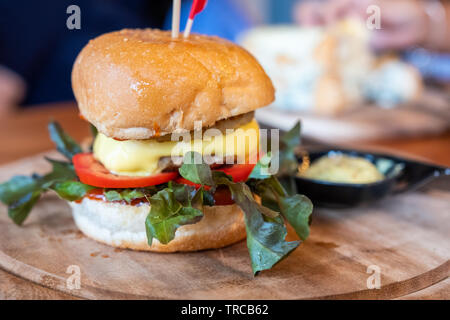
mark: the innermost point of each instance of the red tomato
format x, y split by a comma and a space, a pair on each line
239, 172
93, 173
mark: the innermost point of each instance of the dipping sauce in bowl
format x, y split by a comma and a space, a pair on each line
342, 168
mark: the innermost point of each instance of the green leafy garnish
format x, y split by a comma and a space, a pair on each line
71, 190
64, 143
265, 235
19, 210
195, 170
289, 142
262, 168
21, 193
265, 229
296, 209
129, 195
167, 213
17, 187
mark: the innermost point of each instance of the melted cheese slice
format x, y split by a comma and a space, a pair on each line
140, 157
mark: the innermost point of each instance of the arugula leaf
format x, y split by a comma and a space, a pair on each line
195, 170
289, 142
265, 237
297, 209
112, 195
131, 194
291, 139
266, 232
287, 159
71, 190
128, 195
61, 171
64, 143
19, 210
17, 187
21, 193
167, 215
261, 170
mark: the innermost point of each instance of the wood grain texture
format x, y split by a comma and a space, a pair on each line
13, 287
440, 291
406, 236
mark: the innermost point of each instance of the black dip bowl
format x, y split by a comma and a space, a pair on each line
400, 175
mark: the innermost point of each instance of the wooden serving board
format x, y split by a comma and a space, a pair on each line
406, 236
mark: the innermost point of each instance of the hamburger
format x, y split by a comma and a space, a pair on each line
172, 166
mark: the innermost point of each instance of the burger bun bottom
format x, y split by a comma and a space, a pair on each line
123, 226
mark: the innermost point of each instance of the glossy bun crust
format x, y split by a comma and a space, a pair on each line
141, 83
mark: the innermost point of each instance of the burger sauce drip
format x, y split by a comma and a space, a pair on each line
157, 129
222, 197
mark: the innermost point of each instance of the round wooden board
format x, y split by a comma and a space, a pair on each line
405, 236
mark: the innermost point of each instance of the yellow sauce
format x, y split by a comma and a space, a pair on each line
343, 169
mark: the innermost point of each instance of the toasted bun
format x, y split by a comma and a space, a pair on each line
123, 226
138, 84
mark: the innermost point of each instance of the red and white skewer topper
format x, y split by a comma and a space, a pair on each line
197, 7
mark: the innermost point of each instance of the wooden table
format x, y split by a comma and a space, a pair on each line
24, 134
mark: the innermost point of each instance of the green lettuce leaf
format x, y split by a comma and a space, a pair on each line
261, 170
167, 214
19, 210
266, 232
289, 142
71, 190
296, 209
21, 193
64, 143
129, 195
265, 236
61, 171
195, 170
17, 187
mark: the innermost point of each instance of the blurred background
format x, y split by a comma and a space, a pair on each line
352, 70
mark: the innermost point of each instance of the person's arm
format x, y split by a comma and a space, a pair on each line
438, 35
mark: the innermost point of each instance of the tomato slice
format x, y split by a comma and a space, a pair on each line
93, 173
239, 172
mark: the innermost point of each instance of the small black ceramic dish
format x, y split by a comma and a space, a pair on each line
400, 175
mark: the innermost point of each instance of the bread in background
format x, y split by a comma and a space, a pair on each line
329, 70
